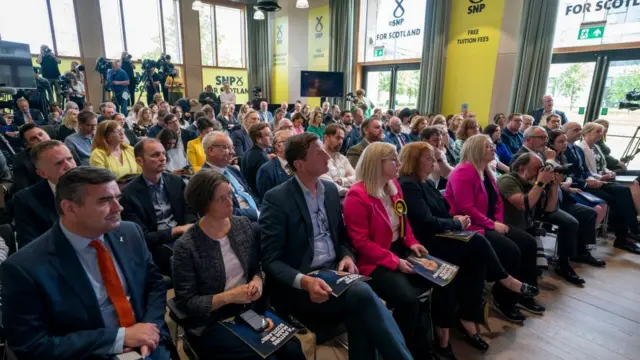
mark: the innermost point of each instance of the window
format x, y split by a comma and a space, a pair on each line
30, 23
222, 36
143, 28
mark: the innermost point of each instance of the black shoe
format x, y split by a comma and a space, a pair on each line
629, 246
446, 353
634, 237
529, 291
531, 306
588, 259
567, 273
510, 313
474, 340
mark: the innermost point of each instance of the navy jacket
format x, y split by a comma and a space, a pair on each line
351, 139
537, 116
394, 139
237, 211
34, 212
36, 115
270, 175
241, 141
251, 162
51, 309
578, 166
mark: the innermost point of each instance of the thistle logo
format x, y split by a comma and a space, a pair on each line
398, 13
319, 27
279, 34
476, 7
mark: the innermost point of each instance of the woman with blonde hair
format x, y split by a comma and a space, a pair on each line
383, 240
244, 109
467, 128
453, 125
439, 119
612, 163
472, 191
144, 123
316, 125
68, 125
418, 123
110, 151
226, 118
428, 214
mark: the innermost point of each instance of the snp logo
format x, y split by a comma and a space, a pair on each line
398, 13
279, 35
233, 80
319, 27
476, 7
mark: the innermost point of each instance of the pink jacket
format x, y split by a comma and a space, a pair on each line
467, 195
370, 231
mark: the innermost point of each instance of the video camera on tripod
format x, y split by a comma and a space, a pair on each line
165, 67
632, 101
102, 67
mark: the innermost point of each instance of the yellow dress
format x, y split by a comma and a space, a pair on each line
100, 158
195, 154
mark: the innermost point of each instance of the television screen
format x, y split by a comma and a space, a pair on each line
321, 84
16, 69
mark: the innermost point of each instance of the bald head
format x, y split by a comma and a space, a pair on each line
285, 124
573, 131
395, 124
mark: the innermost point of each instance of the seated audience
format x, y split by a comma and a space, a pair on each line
298, 123
226, 118
371, 132
155, 201
541, 115
284, 124
316, 125
352, 132
527, 122
535, 141
34, 207
67, 126
406, 117
24, 172
275, 171
333, 116
288, 254
25, 115
454, 123
145, 122
107, 110
264, 114
418, 124
159, 123
434, 137
55, 114
277, 117
512, 135
468, 128
109, 150
395, 136
219, 240
176, 163
218, 148
553, 122
195, 152
80, 141
112, 298
498, 167
472, 191
340, 170
184, 135
612, 163
240, 137
500, 120
130, 136
177, 111
132, 117
252, 160
285, 108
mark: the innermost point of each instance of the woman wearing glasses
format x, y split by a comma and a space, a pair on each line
109, 150
382, 240
467, 129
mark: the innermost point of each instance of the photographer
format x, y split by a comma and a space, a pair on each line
119, 82
128, 66
166, 69
77, 70
257, 98
50, 71
152, 84
208, 97
76, 89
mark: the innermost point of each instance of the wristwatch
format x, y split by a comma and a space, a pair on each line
540, 183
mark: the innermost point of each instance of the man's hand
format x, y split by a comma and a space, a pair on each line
545, 175
12, 133
464, 220
179, 230
142, 334
549, 154
405, 267
500, 227
318, 290
573, 190
608, 176
419, 250
255, 288
594, 184
437, 153
348, 265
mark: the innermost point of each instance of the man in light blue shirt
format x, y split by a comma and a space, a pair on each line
81, 140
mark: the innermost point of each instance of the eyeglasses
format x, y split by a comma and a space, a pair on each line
393, 159
223, 147
224, 198
491, 146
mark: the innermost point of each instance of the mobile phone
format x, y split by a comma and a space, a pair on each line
465, 106
187, 167
255, 321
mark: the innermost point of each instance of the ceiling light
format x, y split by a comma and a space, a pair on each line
197, 5
258, 15
302, 4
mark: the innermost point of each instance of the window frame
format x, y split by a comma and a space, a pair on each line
213, 4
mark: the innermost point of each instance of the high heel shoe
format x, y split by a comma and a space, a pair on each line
474, 340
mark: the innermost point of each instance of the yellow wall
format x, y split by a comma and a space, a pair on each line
237, 80
472, 52
280, 68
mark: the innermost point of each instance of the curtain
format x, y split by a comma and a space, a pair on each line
341, 41
433, 56
258, 53
535, 48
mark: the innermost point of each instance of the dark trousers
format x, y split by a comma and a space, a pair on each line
132, 92
217, 342
586, 217
369, 324
622, 213
121, 104
567, 237
517, 251
162, 258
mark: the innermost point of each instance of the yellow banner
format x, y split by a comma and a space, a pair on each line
237, 81
472, 52
280, 69
319, 39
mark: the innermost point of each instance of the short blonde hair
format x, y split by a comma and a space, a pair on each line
410, 157
473, 150
66, 120
369, 169
591, 126
439, 119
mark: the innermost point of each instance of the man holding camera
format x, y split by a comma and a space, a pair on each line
152, 84
50, 71
128, 66
119, 82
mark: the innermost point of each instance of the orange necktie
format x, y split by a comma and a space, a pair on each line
113, 285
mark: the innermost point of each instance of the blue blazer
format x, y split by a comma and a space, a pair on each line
578, 166
394, 139
50, 310
269, 118
504, 154
537, 116
270, 175
351, 139
241, 141
237, 211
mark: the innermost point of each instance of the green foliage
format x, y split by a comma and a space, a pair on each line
571, 82
620, 85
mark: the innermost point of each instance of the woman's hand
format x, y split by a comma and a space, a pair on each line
405, 267
464, 220
419, 250
238, 295
500, 227
255, 288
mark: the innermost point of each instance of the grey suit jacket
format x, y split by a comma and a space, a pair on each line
353, 154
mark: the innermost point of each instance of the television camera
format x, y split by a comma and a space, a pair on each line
632, 101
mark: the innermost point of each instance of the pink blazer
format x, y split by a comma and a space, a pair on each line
370, 231
467, 195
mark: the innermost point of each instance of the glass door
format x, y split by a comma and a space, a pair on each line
407, 84
392, 86
378, 85
569, 84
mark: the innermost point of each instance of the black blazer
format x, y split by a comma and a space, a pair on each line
250, 163
24, 172
428, 211
62, 132
241, 141
287, 244
138, 208
199, 273
34, 212
578, 166
36, 115
186, 136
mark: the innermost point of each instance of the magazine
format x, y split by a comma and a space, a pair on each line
458, 235
433, 269
339, 281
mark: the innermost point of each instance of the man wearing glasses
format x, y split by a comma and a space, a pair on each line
81, 140
219, 152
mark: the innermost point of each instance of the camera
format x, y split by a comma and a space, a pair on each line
351, 97
103, 65
632, 101
165, 67
64, 81
46, 50
563, 170
149, 64
256, 92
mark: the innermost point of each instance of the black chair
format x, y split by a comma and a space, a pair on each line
182, 321
9, 236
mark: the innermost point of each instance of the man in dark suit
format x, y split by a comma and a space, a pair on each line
26, 115
253, 159
353, 134
240, 137
34, 207
274, 172
371, 132
219, 151
289, 251
395, 136
540, 115
99, 293
155, 201
155, 129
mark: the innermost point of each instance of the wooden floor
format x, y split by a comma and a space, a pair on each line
599, 321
